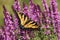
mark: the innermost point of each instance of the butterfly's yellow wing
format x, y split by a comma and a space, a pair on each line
25, 22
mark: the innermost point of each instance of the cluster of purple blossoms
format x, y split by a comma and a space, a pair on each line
49, 16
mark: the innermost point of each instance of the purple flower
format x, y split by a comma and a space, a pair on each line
9, 27
31, 9
25, 9
16, 25
54, 14
39, 15
46, 13
47, 32
16, 6
24, 34
1, 34
15, 21
58, 28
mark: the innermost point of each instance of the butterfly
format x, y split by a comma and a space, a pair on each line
25, 22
